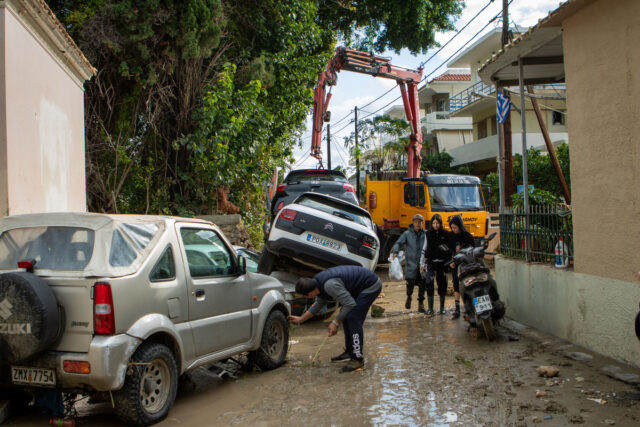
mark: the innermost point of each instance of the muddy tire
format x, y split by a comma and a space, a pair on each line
150, 386
489, 331
274, 342
267, 262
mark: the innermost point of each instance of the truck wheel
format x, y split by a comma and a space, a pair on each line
274, 342
266, 263
150, 385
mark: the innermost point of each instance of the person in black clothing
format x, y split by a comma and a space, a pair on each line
457, 239
355, 288
435, 257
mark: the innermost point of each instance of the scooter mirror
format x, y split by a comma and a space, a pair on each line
490, 236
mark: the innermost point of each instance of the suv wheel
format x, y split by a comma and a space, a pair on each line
266, 263
274, 343
150, 385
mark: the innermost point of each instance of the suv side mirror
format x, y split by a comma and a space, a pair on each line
242, 264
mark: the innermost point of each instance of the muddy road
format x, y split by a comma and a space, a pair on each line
419, 371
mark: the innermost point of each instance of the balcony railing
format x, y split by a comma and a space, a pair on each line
480, 90
470, 95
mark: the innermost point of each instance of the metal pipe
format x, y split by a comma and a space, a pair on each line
525, 176
500, 163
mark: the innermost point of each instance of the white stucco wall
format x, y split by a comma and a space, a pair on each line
44, 127
595, 312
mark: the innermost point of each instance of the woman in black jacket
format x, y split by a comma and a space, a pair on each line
457, 239
435, 258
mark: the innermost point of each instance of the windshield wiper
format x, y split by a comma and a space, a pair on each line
436, 206
343, 215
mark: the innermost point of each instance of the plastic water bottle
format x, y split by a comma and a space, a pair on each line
560, 250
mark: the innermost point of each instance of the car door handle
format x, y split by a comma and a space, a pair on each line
199, 293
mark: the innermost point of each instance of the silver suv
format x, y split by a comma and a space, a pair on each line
126, 304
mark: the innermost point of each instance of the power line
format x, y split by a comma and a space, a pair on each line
422, 64
445, 61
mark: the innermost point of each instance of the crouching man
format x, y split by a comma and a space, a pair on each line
355, 288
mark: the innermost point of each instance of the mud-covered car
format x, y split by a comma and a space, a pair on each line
120, 303
320, 231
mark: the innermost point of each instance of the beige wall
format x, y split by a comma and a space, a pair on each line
603, 95
588, 310
450, 139
44, 127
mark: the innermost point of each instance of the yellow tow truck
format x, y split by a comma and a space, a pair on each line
393, 202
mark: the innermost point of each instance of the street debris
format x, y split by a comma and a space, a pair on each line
541, 393
377, 310
513, 338
599, 401
579, 379
616, 373
548, 371
609, 422
462, 360
579, 357
548, 417
536, 420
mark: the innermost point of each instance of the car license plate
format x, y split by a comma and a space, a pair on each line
327, 243
482, 303
33, 376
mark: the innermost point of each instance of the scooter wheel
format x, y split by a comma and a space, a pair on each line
489, 331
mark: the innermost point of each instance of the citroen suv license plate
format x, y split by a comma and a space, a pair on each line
327, 243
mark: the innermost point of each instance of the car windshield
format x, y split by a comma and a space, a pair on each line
54, 248
314, 176
455, 197
336, 209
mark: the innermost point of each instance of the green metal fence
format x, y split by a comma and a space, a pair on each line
535, 236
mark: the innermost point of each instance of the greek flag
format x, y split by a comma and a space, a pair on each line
503, 106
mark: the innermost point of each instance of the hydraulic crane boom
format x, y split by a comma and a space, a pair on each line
378, 66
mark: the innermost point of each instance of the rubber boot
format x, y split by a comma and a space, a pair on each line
456, 313
430, 302
421, 307
442, 305
407, 303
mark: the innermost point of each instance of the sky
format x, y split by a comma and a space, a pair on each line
356, 89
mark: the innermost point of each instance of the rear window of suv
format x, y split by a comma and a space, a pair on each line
312, 175
336, 209
53, 248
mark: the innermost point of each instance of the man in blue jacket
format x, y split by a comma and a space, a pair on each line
355, 288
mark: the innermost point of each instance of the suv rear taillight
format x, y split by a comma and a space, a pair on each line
104, 322
369, 242
349, 188
281, 188
280, 205
288, 214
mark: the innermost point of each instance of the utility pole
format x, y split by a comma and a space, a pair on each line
525, 169
357, 158
507, 151
329, 146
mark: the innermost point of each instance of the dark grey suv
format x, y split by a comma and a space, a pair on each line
331, 182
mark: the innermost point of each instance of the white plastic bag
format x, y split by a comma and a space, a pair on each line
395, 270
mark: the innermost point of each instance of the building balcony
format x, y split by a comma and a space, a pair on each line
481, 95
440, 120
487, 148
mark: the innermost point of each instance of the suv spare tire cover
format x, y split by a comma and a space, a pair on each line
29, 317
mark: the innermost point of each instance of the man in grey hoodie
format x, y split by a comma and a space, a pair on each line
413, 241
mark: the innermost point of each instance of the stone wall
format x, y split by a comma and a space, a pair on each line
232, 227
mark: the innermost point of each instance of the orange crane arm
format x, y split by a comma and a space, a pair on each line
377, 66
